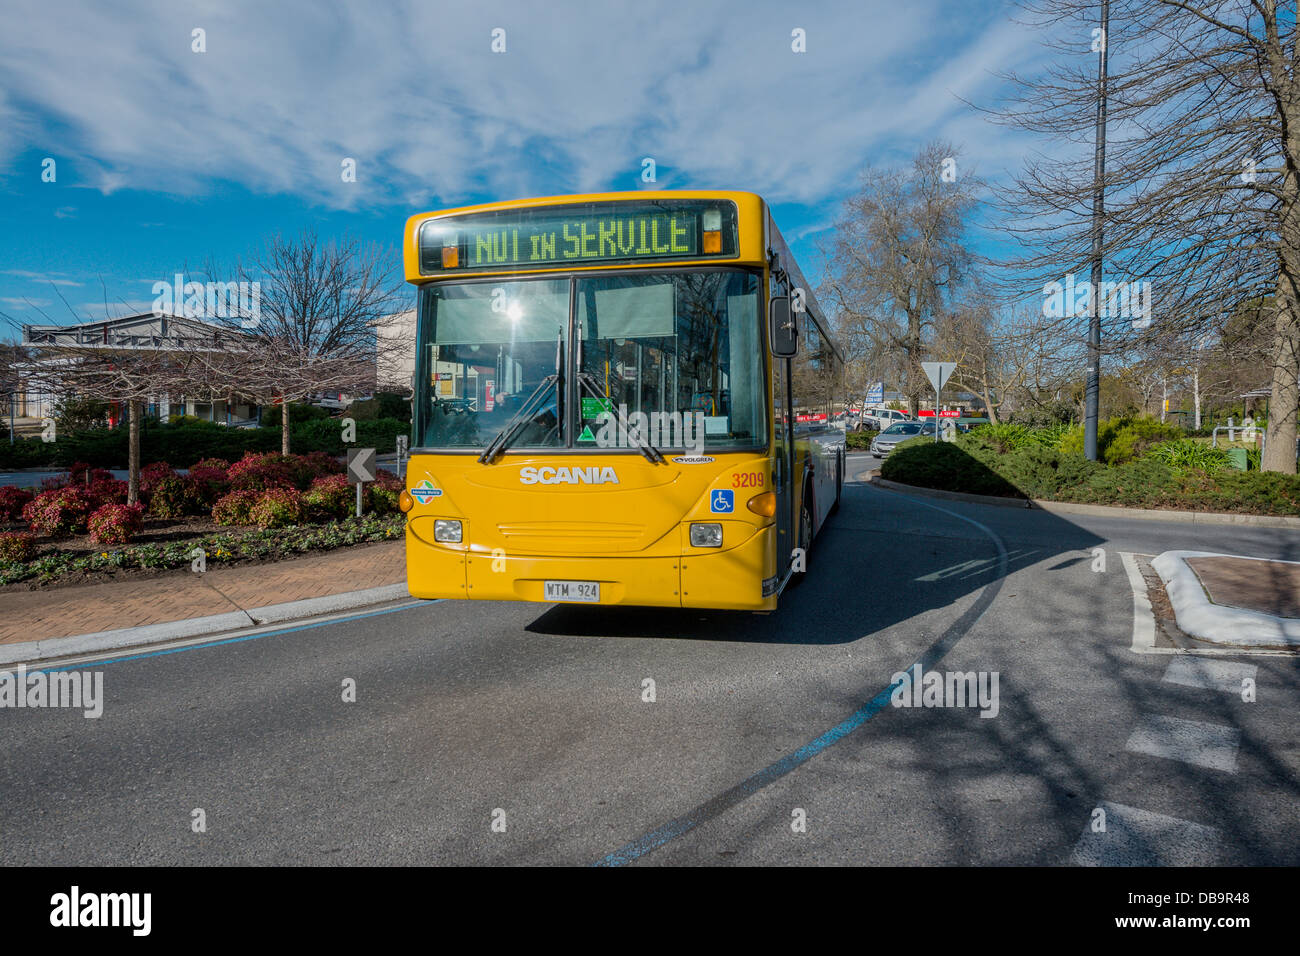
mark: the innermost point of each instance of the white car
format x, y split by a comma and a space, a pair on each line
881, 418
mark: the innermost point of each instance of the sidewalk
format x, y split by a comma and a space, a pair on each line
1233, 599
85, 609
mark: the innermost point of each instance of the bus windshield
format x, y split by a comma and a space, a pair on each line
676, 353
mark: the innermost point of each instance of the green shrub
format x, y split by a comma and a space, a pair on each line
860, 441
1186, 453
1004, 437
298, 412
1134, 438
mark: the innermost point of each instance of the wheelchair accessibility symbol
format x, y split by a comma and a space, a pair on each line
722, 501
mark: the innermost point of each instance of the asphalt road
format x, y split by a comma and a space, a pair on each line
466, 709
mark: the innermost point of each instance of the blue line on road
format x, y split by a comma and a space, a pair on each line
232, 640
770, 774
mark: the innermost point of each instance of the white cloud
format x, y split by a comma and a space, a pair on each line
414, 94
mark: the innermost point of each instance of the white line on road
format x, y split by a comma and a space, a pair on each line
1191, 741
1225, 676
1140, 838
1144, 623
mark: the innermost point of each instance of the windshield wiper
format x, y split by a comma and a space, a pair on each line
585, 379
503, 438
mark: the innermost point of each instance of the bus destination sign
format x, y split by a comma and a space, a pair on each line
546, 237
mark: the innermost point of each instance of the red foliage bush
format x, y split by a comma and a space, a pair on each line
176, 497
16, 546
61, 511
12, 501
116, 524
329, 498
276, 508
79, 471
262, 472
108, 491
233, 508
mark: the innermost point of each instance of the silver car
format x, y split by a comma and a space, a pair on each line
884, 443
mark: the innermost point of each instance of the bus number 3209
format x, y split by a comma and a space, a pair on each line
747, 479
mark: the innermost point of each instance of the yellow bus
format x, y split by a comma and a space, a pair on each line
620, 398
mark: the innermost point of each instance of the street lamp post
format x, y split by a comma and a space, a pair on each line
1098, 212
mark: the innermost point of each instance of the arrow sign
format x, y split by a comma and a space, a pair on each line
361, 465
938, 373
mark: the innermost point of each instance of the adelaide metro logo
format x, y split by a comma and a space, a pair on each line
424, 492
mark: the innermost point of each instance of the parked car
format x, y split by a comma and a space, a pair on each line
882, 418
884, 443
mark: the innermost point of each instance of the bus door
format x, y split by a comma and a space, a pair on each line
783, 465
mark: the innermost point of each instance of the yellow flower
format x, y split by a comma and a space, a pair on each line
103, 554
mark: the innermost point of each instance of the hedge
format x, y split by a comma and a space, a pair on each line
971, 464
184, 444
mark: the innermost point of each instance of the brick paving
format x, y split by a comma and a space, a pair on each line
1271, 587
176, 596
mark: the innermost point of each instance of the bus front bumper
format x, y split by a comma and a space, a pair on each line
731, 579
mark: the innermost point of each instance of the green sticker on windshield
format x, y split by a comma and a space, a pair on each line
586, 433
595, 407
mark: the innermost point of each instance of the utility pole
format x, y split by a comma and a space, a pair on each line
1098, 212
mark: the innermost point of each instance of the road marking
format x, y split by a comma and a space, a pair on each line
1225, 676
729, 798
1191, 741
1141, 838
1144, 623
240, 637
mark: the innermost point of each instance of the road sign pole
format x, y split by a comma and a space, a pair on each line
359, 487
936, 416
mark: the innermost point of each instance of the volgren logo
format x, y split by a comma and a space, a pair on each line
425, 492
547, 475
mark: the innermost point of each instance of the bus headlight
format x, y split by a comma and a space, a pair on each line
446, 531
706, 536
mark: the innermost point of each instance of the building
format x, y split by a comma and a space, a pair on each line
146, 330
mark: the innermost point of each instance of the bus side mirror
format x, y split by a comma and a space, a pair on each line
784, 329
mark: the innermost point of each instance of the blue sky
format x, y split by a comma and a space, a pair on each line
166, 157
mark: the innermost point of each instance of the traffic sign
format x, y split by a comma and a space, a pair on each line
361, 465
938, 373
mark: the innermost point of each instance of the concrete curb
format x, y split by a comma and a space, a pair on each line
56, 647
1099, 511
1214, 622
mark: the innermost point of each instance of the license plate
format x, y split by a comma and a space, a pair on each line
586, 592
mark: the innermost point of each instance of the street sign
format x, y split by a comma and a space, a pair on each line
361, 465
938, 373
876, 393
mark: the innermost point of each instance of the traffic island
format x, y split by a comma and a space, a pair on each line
1232, 599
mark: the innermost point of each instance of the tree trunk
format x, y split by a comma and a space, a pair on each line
1196, 396
284, 424
1279, 450
133, 454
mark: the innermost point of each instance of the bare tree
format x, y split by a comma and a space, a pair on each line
898, 256
314, 325
1203, 167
